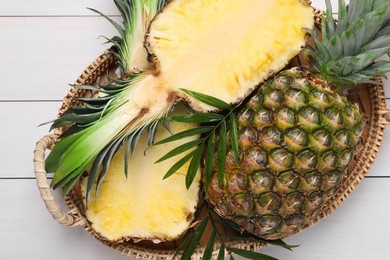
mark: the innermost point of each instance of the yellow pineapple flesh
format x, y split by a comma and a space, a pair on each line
144, 206
228, 47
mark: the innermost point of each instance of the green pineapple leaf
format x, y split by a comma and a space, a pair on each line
193, 243
221, 253
184, 134
179, 164
221, 152
209, 159
250, 254
209, 100
180, 149
196, 118
234, 136
208, 251
194, 166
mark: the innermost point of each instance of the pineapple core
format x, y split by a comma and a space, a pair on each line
226, 48
144, 206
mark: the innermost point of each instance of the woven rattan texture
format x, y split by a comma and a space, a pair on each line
372, 103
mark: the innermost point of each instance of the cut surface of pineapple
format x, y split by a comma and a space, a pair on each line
144, 206
229, 46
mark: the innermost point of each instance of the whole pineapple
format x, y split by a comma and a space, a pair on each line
298, 133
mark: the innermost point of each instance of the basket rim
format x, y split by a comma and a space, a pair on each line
378, 114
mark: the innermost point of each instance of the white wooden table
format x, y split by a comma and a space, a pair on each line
44, 45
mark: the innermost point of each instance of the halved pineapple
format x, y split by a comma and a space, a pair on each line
226, 48
144, 206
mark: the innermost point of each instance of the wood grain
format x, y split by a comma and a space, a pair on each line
55, 7
42, 55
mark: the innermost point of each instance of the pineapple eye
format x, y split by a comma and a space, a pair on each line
314, 202
295, 99
305, 161
256, 102
296, 139
262, 118
288, 181
261, 181
267, 223
282, 81
247, 138
327, 162
345, 159
273, 99
285, 118
245, 118
333, 118
270, 137
331, 180
319, 99
295, 220
341, 140
268, 203
243, 204
254, 159
293, 203
281, 160
309, 119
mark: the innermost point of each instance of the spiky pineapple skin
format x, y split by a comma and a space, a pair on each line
296, 141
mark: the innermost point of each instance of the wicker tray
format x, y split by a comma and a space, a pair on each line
371, 100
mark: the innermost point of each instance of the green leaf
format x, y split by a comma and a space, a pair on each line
184, 134
94, 172
209, 100
221, 152
208, 252
189, 250
194, 166
114, 147
184, 240
197, 118
52, 161
234, 136
221, 254
209, 159
178, 165
250, 254
180, 149
115, 24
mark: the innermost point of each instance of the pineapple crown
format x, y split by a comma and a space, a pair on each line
349, 47
128, 45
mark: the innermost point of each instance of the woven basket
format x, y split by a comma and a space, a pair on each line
370, 98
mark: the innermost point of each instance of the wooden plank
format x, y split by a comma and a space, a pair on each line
356, 231
19, 133
28, 231
382, 163
55, 7
41, 56
75, 7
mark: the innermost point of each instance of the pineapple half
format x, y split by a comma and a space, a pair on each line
143, 206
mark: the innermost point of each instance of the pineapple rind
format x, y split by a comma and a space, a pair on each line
229, 47
144, 206
285, 175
